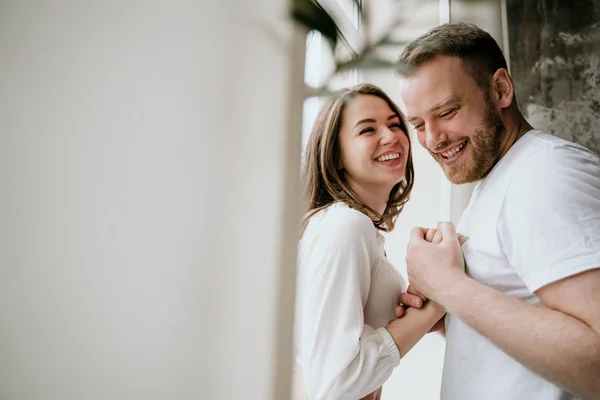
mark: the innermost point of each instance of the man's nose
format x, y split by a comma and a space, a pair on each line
433, 136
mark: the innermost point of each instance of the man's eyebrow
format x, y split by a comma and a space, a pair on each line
445, 103
436, 107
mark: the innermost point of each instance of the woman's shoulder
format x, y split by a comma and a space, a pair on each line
340, 218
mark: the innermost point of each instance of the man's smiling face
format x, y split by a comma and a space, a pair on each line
455, 121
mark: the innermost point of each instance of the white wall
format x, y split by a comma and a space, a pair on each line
144, 243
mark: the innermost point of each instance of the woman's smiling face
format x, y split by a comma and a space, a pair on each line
374, 147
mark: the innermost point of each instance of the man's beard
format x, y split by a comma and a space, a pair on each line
485, 147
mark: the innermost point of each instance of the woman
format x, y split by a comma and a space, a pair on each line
358, 174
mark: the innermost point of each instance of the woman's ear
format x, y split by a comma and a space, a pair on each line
503, 90
339, 164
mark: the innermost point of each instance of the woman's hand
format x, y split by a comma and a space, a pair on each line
410, 298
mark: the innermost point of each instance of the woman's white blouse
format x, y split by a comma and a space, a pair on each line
346, 294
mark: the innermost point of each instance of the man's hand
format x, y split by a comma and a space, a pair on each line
412, 297
433, 236
434, 267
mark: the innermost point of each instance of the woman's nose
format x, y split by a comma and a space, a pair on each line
388, 136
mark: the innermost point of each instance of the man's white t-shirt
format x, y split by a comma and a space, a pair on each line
535, 219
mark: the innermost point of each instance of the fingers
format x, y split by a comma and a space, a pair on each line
448, 230
414, 291
410, 300
437, 238
430, 234
399, 311
433, 236
462, 239
418, 233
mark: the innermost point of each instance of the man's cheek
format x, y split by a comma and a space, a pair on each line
421, 139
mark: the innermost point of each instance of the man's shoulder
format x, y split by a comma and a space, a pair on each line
538, 144
551, 170
541, 153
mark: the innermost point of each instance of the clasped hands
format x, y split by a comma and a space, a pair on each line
434, 262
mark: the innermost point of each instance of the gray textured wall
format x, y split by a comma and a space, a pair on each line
555, 63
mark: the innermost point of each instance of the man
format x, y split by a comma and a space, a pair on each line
523, 320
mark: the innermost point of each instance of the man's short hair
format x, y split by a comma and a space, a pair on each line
479, 52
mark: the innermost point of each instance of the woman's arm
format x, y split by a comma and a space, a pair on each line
342, 357
415, 324
412, 298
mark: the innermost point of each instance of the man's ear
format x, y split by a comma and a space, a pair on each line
503, 90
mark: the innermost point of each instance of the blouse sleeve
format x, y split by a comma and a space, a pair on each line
343, 358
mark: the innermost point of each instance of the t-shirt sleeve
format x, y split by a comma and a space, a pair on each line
343, 357
549, 223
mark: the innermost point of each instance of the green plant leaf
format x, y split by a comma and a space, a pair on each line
313, 17
311, 91
368, 62
392, 42
374, 62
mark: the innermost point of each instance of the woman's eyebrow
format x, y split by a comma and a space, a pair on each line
372, 121
366, 120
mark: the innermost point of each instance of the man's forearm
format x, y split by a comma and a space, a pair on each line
555, 345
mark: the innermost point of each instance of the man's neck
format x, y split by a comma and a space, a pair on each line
515, 128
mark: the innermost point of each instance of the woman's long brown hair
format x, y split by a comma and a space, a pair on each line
324, 184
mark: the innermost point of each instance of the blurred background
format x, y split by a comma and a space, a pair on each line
149, 180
